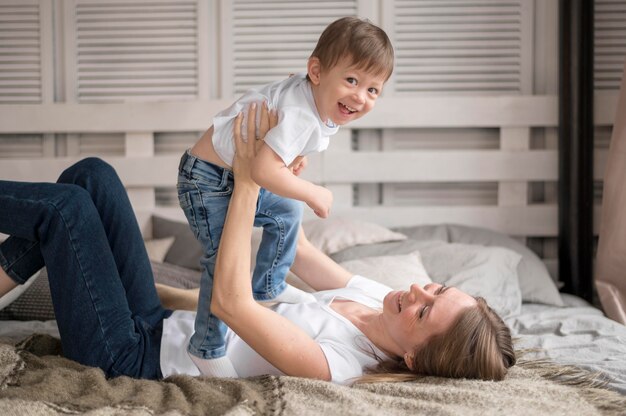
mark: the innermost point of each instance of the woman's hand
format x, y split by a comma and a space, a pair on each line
246, 151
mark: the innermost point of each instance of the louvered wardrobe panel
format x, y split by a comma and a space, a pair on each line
461, 46
25, 52
265, 41
135, 50
26, 72
609, 43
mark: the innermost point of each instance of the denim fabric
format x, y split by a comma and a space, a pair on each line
204, 192
85, 232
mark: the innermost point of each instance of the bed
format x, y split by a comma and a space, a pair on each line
477, 185
574, 359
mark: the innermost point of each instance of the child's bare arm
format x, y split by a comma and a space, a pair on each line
269, 172
317, 269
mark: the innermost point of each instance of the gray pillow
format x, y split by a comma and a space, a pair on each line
535, 282
186, 250
489, 272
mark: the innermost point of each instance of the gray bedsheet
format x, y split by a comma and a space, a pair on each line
576, 334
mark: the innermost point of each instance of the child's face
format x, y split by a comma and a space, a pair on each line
344, 93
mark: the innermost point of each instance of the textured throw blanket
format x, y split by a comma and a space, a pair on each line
34, 381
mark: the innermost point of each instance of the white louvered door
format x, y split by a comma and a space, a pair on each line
609, 44
266, 40
461, 46
26, 70
609, 56
135, 50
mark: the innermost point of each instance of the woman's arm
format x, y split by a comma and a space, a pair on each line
274, 337
317, 269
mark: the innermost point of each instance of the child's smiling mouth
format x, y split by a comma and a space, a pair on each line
345, 109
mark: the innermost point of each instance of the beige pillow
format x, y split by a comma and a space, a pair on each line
397, 272
157, 248
335, 234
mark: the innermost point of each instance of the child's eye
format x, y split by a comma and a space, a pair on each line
373, 91
351, 80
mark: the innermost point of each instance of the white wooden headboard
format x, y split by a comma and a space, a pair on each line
465, 131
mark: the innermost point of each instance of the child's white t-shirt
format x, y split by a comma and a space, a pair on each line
299, 131
346, 348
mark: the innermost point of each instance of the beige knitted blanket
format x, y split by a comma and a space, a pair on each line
33, 383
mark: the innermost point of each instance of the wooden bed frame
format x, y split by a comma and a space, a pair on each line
363, 167
512, 166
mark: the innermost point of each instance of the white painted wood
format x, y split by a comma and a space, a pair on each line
397, 112
25, 52
609, 44
459, 47
527, 55
441, 166
284, 35
343, 195
437, 156
139, 144
106, 63
512, 193
369, 194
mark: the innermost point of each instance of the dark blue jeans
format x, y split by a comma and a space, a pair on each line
84, 231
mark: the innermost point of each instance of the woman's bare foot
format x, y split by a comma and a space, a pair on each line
6, 283
178, 299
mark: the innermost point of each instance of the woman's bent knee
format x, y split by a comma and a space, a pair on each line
90, 166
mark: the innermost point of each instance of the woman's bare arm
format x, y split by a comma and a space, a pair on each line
274, 337
317, 269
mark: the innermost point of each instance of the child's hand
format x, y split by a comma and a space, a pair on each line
298, 165
321, 201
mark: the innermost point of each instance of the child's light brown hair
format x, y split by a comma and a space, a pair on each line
364, 43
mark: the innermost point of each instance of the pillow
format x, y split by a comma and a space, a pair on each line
186, 250
335, 234
490, 272
392, 248
157, 248
397, 272
535, 282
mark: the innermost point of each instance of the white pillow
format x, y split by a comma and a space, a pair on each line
397, 272
335, 234
490, 272
157, 248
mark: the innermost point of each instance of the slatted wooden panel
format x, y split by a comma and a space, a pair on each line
25, 51
265, 41
26, 69
609, 44
461, 46
135, 50
341, 166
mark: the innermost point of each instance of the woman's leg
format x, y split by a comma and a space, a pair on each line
123, 234
96, 323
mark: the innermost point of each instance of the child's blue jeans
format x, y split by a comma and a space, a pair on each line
204, 192
84, 231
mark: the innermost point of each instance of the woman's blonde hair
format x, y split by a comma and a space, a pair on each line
367, 45
478, 345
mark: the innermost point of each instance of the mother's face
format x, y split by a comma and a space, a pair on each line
412, 317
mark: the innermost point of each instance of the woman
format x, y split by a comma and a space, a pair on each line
109, 315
